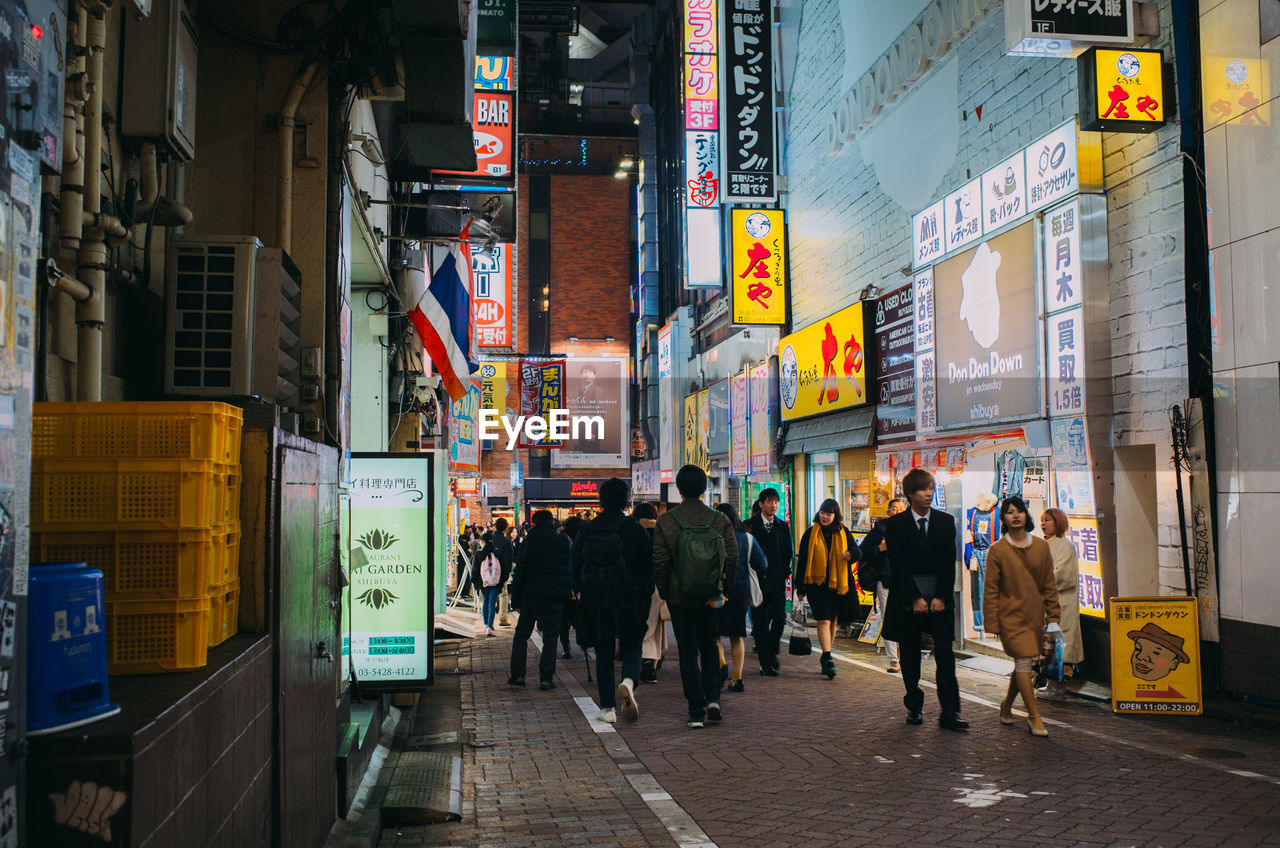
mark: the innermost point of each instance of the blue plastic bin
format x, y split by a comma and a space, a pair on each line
67, 654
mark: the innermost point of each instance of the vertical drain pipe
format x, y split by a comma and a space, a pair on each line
288, 120
92, 256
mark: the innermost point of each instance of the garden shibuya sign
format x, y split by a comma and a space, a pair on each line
391, 569
926, 40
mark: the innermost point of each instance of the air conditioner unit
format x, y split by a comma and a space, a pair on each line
234, 311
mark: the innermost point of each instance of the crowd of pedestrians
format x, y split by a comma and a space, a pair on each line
615, 582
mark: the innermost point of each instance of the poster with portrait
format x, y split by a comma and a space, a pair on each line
1155, 656
596, 398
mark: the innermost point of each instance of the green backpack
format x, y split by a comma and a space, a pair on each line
700, 554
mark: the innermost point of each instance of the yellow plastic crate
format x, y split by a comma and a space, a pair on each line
136, 494
223, 611
141, 564
226, 505
226, 544
152, 637
172, 430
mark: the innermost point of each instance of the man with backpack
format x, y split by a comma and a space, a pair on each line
539, 585
695, 559
612, 566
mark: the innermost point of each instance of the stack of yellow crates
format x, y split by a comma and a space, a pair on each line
150, 494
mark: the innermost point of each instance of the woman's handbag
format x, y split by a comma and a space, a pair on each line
757, 594
799, 645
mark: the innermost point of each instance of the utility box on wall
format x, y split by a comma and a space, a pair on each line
159, 90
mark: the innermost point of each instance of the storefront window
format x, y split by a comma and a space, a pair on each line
823, 480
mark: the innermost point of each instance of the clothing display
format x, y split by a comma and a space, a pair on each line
1010, 467
982, 530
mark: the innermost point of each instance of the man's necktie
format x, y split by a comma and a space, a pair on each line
924, 526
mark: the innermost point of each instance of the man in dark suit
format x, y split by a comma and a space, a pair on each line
922, 544
768, 620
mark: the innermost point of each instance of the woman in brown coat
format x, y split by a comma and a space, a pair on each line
1019, 597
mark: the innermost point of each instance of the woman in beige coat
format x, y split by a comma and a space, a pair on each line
655, 638
1066, 569
1019, 597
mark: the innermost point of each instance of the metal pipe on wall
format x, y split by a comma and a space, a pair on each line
288, 121
92, 256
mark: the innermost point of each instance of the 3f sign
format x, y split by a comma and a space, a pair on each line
559, 427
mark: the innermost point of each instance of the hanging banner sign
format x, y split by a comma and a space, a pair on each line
1155, 656
491, 301
704, 429
464, 435
493, 386
1083, 535
751, 154
1121, 90
823, 367
702, 169
895, 363
760, 391
542, 389
390, 588
493, 126
666, 405
740, 430
759, 266
692, 434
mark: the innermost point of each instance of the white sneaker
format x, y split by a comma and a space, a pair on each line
607, 716
627, 700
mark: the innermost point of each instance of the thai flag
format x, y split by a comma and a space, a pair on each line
442, 317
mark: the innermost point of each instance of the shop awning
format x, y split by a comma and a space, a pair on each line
854, 428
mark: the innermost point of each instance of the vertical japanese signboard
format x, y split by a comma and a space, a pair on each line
1084, 537
926, 383
666, 406
464, 434
895, 363
750, 154
541, 390
1155, 656
391, 629
493, 386
702, 144
739, 418
491, 295
760, 391
759, 266
493, 127
692, 433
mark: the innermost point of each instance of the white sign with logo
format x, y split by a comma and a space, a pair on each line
1063, 274
1066, 363
1004, 193
1051, 167
963, 215
924, 310
927, 238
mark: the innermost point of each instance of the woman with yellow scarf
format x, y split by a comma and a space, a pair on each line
823, 573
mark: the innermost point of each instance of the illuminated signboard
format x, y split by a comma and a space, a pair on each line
1121, 90
492, 121
495, 73
491, 295
391, 568
701, 91
751, 152
759, 266
824, 366
464, 435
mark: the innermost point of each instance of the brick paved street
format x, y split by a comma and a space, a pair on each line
801, 760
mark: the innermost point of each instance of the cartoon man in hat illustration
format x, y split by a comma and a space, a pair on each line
1156, 652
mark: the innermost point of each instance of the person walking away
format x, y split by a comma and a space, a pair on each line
655, 636
773, 534
1019, 604
539, 585
490, 580
464, 555
570, 530
921, 543
875, 570
613, 575
1066, 573
827, 551
695, 557
733, 615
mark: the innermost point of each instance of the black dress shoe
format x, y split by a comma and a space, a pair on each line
769, 671
915, 718
515, 681
950, 721
546, 684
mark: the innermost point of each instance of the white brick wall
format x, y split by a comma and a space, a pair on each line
846, 233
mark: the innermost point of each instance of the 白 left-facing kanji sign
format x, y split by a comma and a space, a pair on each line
759, 270
1155, 656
